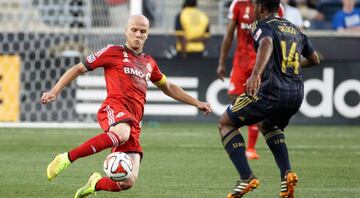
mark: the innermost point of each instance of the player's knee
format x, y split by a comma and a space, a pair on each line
124, 137
221, 123
122, 130
266, 127
126, 185
225, 125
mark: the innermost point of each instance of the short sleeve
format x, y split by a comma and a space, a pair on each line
157, 77
261, 30
308, 48
234, 11
338, 21
100, 58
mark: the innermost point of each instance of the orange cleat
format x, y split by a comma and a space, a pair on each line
252, 155
244, 186
288, 185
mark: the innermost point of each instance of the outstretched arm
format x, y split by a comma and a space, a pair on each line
262, 57
179, 94
64, 80
225, 47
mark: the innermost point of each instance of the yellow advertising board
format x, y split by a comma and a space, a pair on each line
9, 87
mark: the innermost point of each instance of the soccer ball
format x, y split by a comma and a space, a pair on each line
118, 166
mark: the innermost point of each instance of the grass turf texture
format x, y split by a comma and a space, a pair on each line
183, 160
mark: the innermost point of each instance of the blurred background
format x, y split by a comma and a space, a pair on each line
45, 14
41, 39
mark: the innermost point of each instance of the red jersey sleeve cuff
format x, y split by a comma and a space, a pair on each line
87, 66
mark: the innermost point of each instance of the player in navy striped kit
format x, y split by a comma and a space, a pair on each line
274, 93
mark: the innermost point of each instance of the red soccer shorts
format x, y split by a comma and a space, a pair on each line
238, 77
110, 115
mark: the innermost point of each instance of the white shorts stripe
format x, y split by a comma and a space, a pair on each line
110, 115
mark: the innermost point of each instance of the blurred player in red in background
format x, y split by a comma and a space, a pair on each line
241, 17
127, 72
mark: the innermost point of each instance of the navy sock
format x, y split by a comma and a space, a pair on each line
276, 142
235, 147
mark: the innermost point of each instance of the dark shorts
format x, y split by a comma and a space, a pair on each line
246, 110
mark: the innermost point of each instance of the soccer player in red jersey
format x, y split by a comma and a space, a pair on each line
127, 72
241, 16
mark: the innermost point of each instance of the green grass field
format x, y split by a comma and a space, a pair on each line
184, 161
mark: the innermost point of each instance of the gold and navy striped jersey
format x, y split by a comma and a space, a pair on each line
282, 74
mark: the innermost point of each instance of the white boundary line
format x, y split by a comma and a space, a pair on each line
47, 125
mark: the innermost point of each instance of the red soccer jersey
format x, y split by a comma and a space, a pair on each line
242, 11
127, 75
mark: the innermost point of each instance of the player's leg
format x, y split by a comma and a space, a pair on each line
235, 147
108, 185
98, 183
275, 139
253, 134
117, 135
253, 131
238, 78
244, 111
118, 131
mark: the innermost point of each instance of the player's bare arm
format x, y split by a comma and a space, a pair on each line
183, 43
225, 47
179, 94
64, 80
311, 60
262, 57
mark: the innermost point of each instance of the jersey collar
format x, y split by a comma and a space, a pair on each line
132, 51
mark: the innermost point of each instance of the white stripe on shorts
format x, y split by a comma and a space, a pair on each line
110, 115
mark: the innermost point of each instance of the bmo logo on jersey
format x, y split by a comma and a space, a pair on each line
136, 72
246, 26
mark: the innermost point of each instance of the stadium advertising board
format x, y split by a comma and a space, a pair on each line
332, 90
9, 88
332, 94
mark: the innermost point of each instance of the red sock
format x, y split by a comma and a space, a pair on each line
107, 184
253, 134
94, 145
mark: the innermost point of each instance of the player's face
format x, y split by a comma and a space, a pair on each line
136, 33
257, 10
